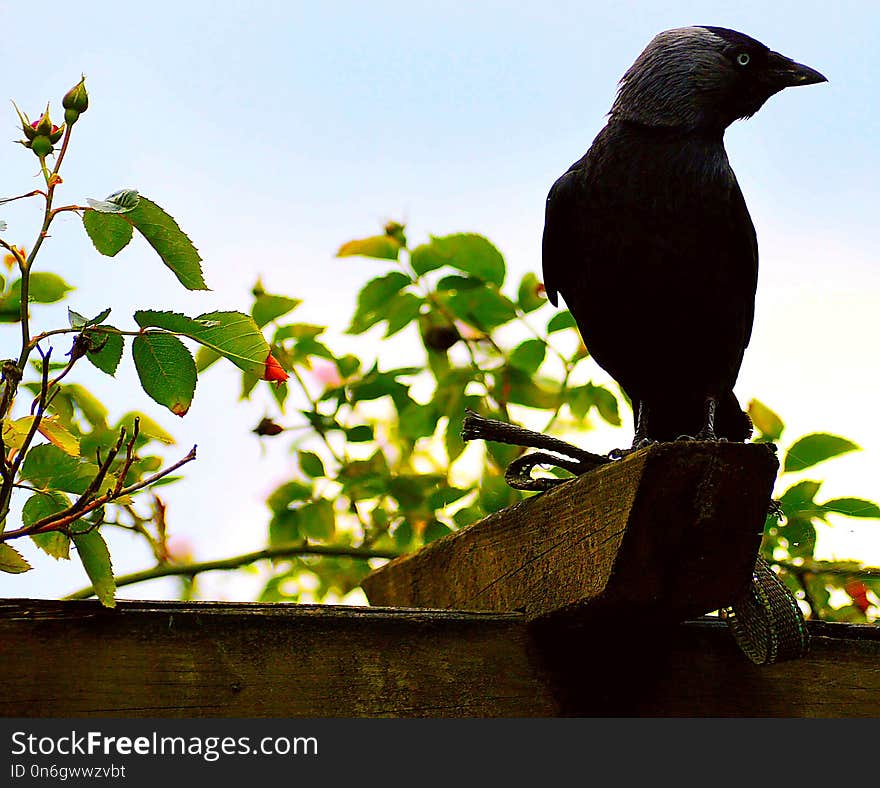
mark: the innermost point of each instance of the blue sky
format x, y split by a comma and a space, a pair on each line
276, 131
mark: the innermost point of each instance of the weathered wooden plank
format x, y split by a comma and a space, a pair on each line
77, 659
171, 659
672, 530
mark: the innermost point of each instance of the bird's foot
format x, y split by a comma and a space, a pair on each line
638, 444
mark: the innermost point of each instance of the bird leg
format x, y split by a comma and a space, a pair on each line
708, 431
640, 439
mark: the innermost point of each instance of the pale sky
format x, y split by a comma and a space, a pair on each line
273, 132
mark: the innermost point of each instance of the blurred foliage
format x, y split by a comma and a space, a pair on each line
379, 459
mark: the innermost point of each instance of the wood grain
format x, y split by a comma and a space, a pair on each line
171, 659
672, 530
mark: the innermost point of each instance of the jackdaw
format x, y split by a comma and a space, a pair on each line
648, 238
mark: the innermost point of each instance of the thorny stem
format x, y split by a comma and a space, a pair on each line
60, 520
280, 551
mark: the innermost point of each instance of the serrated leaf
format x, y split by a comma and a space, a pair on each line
528, 355
270, 307
108, 232
58, 435
109, 354
311, 464
852, 507
166, 370
49, 468
233, 335
170, 242
42, 505
12, 561
380, 247
561, 321
815, 448
95, 557
468, 252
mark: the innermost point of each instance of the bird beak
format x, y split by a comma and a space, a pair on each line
785, 73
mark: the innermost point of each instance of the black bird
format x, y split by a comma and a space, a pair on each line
648, 238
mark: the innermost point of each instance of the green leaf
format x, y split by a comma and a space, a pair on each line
434, 530
77, 320
147, 428
205, 356
380, 247
47, 467
109, 354
12, 561
402, 310
169, 241
561, 321
418, 421
373, 300
317, 520
457, 282
311, 464
852, 507
123, 201
270, 307
482, 307
42, 505
233, 335
109, 232
95, 557
92, 408
768, 424
530, 295
799, 499
444, 496
815, 448
43, 287
528, 355
473, 254
166, 370
280, 498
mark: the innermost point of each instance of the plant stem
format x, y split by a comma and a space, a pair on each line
280, 551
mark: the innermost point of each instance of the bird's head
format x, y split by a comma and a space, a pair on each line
704, 78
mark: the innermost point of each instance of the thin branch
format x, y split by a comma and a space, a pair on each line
60, 520
237, 562
34, 193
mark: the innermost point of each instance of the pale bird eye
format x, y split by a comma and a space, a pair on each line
743, 58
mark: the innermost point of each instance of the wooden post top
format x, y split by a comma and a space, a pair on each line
671, 530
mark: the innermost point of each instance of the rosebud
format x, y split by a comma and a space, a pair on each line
44, 124
40, 145
75, 102
273, 371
